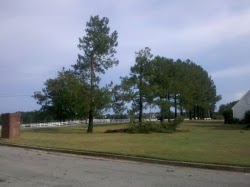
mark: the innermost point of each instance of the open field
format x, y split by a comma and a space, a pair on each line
196, 141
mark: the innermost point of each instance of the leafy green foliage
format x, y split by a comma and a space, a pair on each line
136, 87
182, 85
227, 106
247, 117
36, 117
118, 100
197, 90
98, 48
150, 127
161, 80
228, 117
64, 97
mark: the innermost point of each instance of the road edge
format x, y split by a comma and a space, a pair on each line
136, 158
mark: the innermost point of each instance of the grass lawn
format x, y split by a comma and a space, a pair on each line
196, 141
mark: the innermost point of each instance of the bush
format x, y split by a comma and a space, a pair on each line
149, 126
137, 127
218, 117
177, 121
247, 117
228, 117
246, 127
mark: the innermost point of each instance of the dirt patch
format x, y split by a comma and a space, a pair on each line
117, 130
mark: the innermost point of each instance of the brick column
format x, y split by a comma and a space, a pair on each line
11, 125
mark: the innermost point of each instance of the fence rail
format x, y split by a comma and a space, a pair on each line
78, 122
103, 121
74, 123
53, 124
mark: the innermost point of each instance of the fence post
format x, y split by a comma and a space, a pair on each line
11, 125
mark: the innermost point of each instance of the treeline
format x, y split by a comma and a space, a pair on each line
166, 83
153, 82
35, 117
159, 81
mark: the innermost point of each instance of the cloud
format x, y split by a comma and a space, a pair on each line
232, 72
179, 30
38, 38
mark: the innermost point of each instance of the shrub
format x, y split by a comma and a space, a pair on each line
228, 117
172, 125
149, 126
218, 117
247, 117
235, 120
177, 121
246, 127
142, 127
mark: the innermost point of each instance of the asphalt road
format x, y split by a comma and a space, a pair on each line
21, 167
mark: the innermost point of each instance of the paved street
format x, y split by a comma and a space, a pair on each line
20, 167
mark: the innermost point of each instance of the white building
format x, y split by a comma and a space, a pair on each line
242, 106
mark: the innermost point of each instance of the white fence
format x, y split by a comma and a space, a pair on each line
53, 124
80, 122
72, 123
103, 121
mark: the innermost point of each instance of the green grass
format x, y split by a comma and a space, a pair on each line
195, 141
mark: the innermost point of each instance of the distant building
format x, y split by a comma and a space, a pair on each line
242, 106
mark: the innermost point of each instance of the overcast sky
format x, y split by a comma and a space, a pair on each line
38, 38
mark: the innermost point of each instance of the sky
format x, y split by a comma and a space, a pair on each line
39, 38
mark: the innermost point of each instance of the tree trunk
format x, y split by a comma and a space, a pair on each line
198, 112
203, 113
150, 115
181, 108
175, 106
208, 113
91, 111
190, 114
90, 126
181, 112
140, 96
194, 112
140, 108
169, 111
162, 116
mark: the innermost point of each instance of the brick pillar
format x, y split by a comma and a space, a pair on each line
11, 125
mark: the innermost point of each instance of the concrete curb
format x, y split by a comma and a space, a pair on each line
137, 159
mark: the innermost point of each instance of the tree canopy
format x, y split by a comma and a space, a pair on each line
64, 97
152, 81
98, 46
136, 85
167, 83
227, 106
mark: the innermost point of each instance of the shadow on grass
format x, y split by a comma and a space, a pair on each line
219, 126
61, 130
205, 121
214, 124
